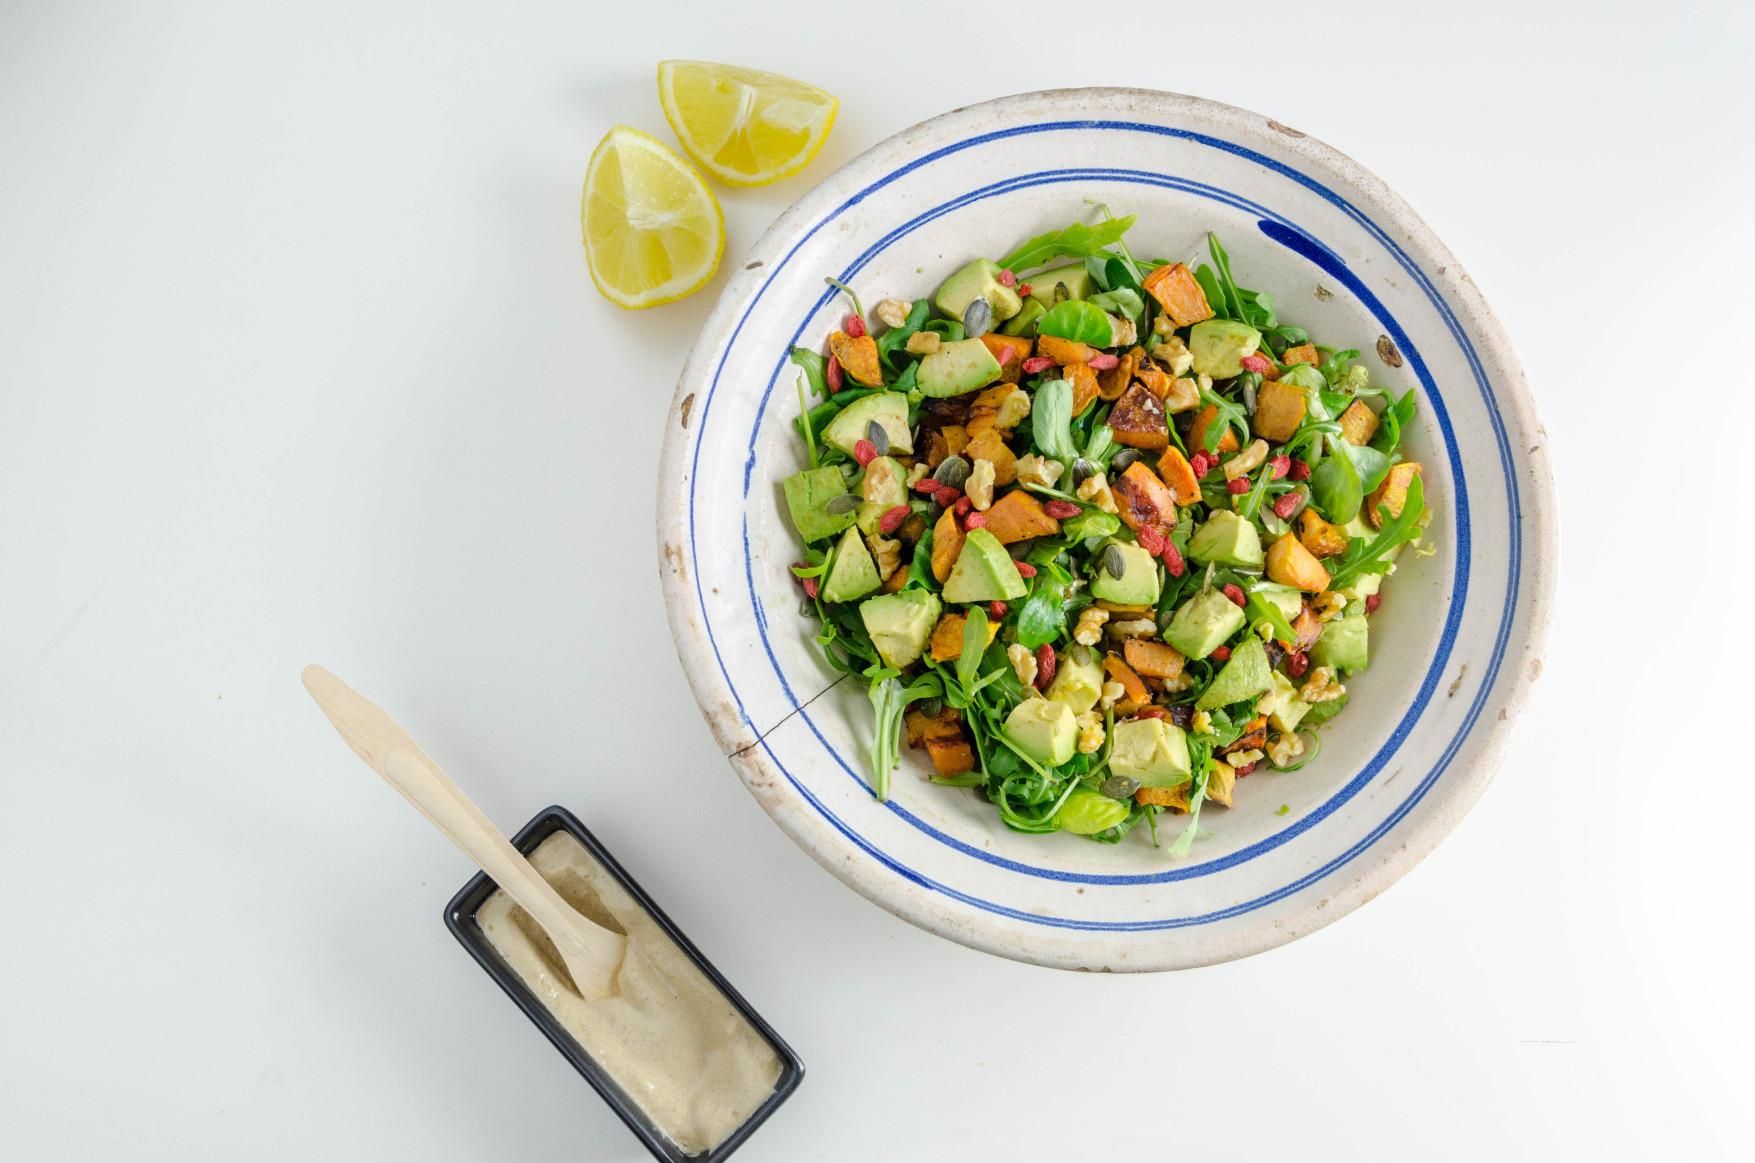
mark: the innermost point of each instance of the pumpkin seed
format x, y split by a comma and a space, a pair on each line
953, 471
977, 318
1120, 787
1115, 562
845, 503
1122, 459
1083, 470
1061, 294
932, 708
807, 607
880, 439
1021, 549
1081, 654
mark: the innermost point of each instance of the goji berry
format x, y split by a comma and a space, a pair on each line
1237, 487
963, 505
864, 451
1025, 569
809, 583
1221, 654
1286, 506
1004, 355
975, 521
1173, 559
1235, 594
1103, 361
1044, 666
832, 373
1060, 510
1037, 363
947, 496
1150, 713
928, 485
1198, 462
1300, 470
1371, 602
1297, 663
1007, 279
996, 610
1245, 770
1023, 288
1255, 363
893, 518
855, 326
1282, 465
1151, 540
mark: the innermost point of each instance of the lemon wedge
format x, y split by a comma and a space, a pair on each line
744, 126
653, 230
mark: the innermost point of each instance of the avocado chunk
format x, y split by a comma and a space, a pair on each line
1045, 731
889, 409
1078, 686
853, 574
887, 481
956, 368
806, 494
1362, 586
1024, 322
984, 572
1244, 677
1228, 539
1153, 751
1218, 345
1138, 583
1284, 709
1203, 623
1075, 278
978, 280
900, 624
1088, 812
1345, 644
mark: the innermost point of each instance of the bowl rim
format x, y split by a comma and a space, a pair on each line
1521, 660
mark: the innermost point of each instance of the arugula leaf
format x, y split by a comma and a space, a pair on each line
1052, 414
974, 646
1209, 284
1260, 609
1230, 414
889, 699
815, 367
1076, 241
1390, 424
1335, 366
1077, 320
897, 337
1090, 523
920, 575
1369, 557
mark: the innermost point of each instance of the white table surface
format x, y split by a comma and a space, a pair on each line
299, 360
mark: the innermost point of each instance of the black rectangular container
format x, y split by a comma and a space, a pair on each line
460, 919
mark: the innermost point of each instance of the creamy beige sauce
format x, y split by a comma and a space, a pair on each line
669, 1039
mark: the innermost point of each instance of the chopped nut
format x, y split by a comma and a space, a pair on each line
1285, 748
1096, 491
1112, 693
1247, 460
1178, 682
1329, 605
1090, 627
1135, 628
1243, 758
1321, 686
880, 480
1090, 732
1126, 334
1038, 470
1014, 407
1023, 661
923, 343
1202, 724
917, 474
893, 312
979, 487
885, 552
1183, 396
1173, 353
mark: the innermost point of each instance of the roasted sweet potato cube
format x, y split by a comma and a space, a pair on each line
1064, 351
1138, 419
1153, 659
947, 543
897, 579
946, 725
1111, 382
1254, 736
1273, 372
1083, 378
1221, 784
1290, 564
1305, 353
1144, 500
989, 447
951, 756
1358, 423
944, 442
859, 358
1308, 628
1119, 671
985, 410
1013, 517
1121, 608
1174, 799
1156, 380
947, 636
1279, 409
1010, 366
1197, 432
1322, 538
1175, 288
1392, 492
1178, 474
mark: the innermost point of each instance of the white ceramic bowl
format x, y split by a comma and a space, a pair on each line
1455, 644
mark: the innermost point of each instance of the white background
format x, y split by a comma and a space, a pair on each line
299, 361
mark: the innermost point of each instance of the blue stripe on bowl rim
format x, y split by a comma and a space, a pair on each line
1287, 234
